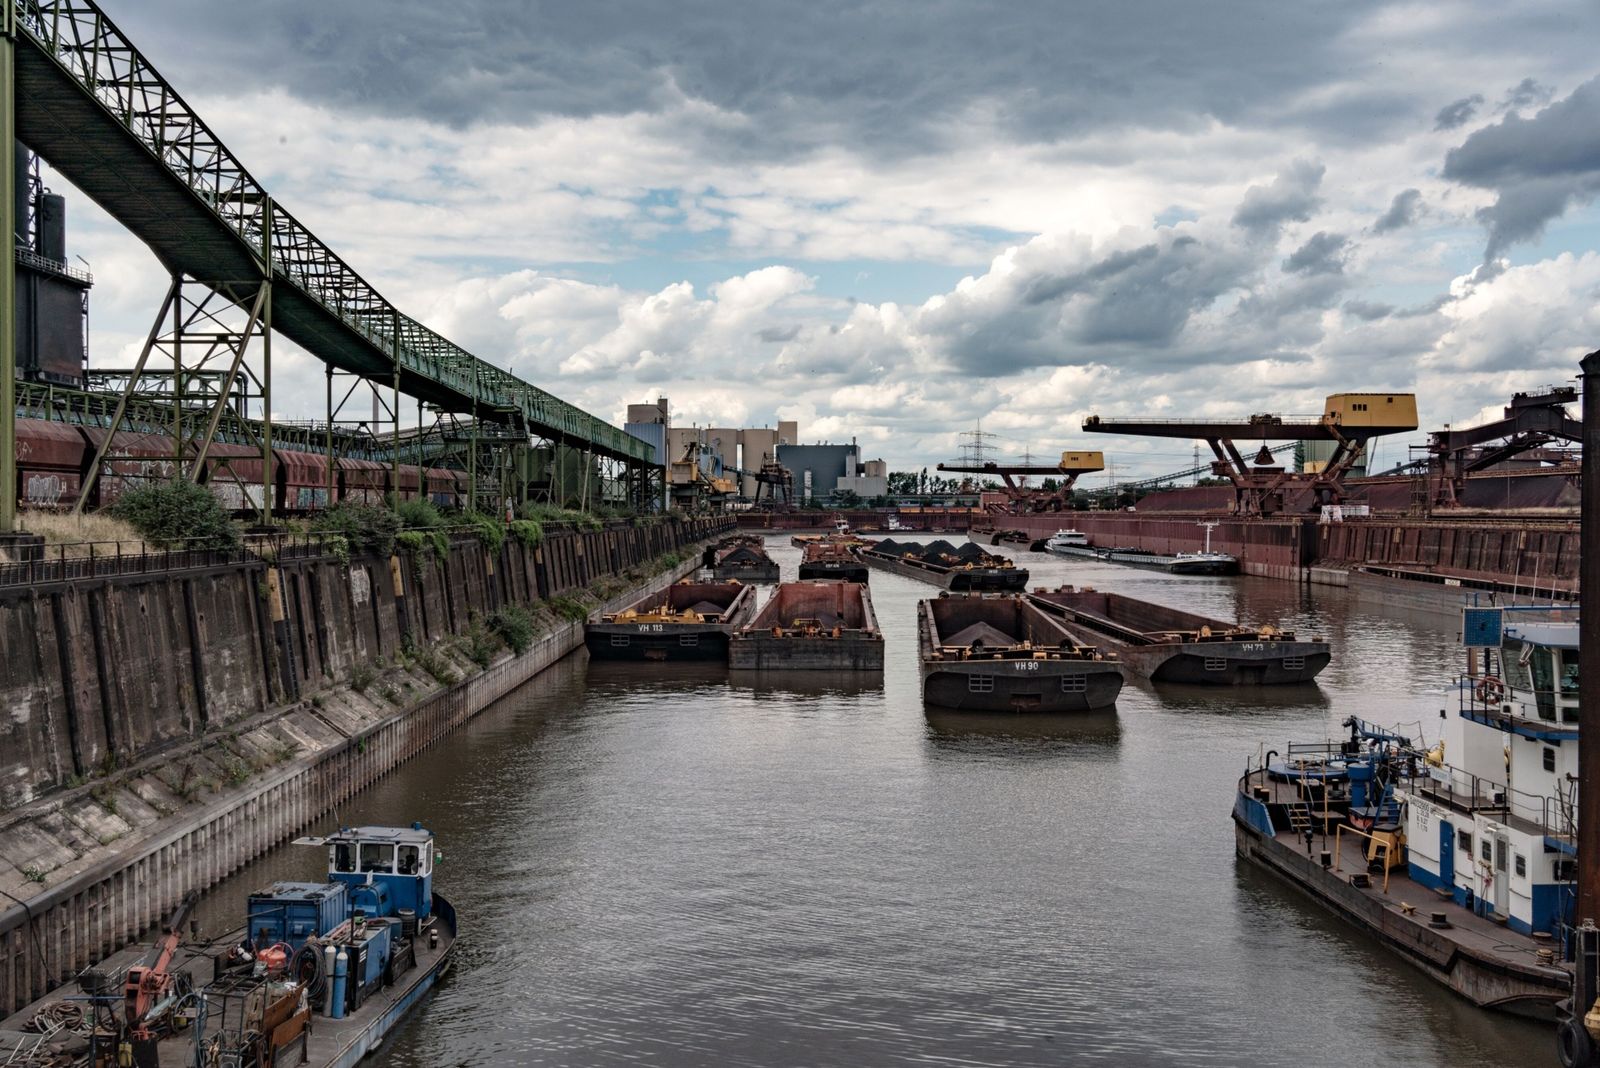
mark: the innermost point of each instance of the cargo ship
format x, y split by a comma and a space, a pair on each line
318, 974
833, 558
1201, 563
1004, 654
685, 621
968, 568
741, 557
1167, 645
811, 626
1462, 857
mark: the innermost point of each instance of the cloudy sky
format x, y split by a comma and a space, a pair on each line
893, 219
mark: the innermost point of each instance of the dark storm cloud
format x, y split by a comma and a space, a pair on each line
1291, 197
1322, 254
1458, 114
1402, 212
1138, 299
1526, 94
1537, 167
775, 334
883, 77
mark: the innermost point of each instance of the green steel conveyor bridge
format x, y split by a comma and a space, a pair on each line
78, 93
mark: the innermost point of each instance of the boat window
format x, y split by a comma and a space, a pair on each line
1464, 842
1569, 674
344, 857
410, 860
1488, 851
1549, 759
377, 856
1522, 865
1542, 665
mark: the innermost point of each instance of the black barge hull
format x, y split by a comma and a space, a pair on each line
838, 572
767, 572
1021, 686
666, 641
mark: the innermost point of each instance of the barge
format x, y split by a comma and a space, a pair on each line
967, 569
811, 626
1466, 869
319, 974
1201, 563
833, 558
1003, 654
1167, 645
686, 621
743, 558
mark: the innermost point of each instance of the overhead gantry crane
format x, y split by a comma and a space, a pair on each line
1349, 420
1532, 420
1032, 500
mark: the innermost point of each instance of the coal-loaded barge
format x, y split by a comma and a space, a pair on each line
318, 975
1004, 654
1167, 645
742, 557
961, 570
686, 621
815, 626
832, 558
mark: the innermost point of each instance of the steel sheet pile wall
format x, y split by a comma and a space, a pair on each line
1523, 554
136, 672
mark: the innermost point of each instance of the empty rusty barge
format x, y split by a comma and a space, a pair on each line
1167, 645
967, 569
1005, 654
811, 626
686, 621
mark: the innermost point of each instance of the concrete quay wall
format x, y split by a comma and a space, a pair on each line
173, 783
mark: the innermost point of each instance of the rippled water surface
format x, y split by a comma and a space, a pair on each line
672, 867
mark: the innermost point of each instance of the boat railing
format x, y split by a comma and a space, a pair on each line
1489, 698
1442, 783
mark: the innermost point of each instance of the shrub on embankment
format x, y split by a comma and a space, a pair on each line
178, 515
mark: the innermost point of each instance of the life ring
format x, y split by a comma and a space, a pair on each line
1490, 690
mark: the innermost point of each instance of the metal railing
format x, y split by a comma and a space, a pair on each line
75, 561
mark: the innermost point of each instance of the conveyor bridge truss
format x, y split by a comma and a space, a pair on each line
87, 101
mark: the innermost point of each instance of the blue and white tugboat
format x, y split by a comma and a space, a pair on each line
318, 975
1460, 857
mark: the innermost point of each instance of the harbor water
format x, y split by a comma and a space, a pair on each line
674, 866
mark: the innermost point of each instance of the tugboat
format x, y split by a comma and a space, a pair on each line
1166, 645
1462, 857
1002, 654
686, 621
318, 975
